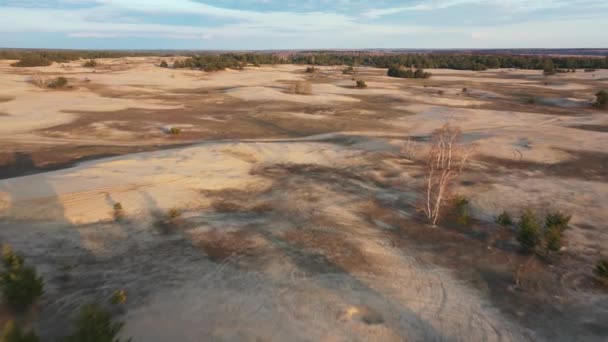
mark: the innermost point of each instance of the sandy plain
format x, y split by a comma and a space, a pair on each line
297, 213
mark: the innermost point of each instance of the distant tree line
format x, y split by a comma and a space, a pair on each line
229, 60
215, 61
64, 56
453, 61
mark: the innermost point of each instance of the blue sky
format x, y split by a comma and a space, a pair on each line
303, 24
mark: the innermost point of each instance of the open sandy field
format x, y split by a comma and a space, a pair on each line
275, 216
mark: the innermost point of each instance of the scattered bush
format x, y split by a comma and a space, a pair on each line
601, 268
402, 72
13, 333
361, 84
555, 224
348, 71
601, 99
119, 297
301, 88
57, 83
94, 324
590, 70
504, 219
118, 211
90, 63
461, 208
20, 285
39, 81
558, 220
311, 70
32, 60
175, 130
553, 239
163, 64
174, 213
529, 231
550, 236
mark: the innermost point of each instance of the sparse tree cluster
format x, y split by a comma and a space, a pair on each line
533, 234
225, 61
401, 72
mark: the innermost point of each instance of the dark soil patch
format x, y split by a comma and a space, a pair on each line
594, 128
16, 164
587, 165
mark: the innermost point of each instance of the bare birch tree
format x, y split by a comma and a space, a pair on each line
447, 158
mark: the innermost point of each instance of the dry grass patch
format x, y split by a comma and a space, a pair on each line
301, 88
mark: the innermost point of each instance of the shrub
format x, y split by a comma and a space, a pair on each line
601, 268
57, 83
119, 297
557, 219
32, 60
94, 324
118, 212
311, 70
301, 88
39, 81
530, 100
504, 219
553, 239
361, 84
464, 90
528, 233
463, 214
90, 63
348, 71
13, 333
20, 285
601, 99
555, 225
440, 92
590, 70
175, 130
163, 64
174, 213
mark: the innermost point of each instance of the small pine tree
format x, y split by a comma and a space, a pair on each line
553, 239
463, 214
95, 325
504, 219
19, 284
529, 229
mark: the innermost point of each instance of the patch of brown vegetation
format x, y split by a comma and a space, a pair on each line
220, 246
333, 246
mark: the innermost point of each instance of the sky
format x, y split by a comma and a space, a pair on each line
303, 24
